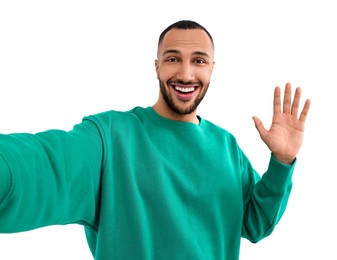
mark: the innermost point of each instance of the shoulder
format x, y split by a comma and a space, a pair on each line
114, 123
115, 116
216, 129
218, 134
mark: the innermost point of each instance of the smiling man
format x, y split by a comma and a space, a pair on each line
157, 182
184, 67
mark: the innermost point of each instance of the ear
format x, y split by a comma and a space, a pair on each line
156, 63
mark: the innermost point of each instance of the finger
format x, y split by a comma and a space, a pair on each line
259, 126
305, 110
296, 102
277, 100
287, 98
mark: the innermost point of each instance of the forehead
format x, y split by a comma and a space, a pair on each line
190, 40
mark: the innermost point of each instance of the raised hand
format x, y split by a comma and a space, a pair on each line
285, 136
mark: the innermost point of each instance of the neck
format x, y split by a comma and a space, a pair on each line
169, 114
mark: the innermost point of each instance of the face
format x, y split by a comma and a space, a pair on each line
184, 67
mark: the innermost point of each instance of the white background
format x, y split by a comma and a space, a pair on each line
62, 60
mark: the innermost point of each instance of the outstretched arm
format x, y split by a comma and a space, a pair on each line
285, 136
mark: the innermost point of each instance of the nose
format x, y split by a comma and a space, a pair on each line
185, 72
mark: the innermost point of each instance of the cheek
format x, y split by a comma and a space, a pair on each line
164, 74
205, 76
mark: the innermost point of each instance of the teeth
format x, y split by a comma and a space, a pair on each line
185, 90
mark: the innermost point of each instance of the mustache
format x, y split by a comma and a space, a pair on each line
180, 82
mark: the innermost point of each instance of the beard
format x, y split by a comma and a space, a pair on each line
174, 107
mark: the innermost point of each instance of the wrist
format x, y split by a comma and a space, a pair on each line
284, 159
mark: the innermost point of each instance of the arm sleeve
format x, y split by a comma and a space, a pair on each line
50, 178
265, 198
5, 180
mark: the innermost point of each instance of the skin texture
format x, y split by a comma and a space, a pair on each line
186, 60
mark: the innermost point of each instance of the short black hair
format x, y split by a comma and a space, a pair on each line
184, 25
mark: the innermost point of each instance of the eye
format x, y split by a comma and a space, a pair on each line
172, 59
199, 61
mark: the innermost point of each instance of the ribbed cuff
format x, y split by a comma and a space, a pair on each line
279, 175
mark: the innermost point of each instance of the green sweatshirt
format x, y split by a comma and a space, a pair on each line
143, 186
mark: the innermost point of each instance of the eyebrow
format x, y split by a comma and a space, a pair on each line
194, 53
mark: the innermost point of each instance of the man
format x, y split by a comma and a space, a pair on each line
158, 182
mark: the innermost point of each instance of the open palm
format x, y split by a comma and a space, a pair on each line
285, 136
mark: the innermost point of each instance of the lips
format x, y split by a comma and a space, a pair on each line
184, 91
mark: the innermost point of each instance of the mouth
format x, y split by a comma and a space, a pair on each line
184, 91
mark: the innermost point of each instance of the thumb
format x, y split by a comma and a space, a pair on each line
259, 126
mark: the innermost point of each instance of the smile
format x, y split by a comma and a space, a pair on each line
184, 90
